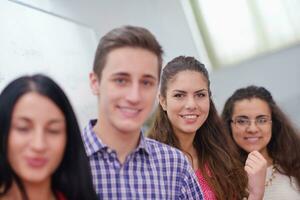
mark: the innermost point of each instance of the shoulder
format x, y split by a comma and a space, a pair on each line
173, 162
280, 185
165, 153
156, 147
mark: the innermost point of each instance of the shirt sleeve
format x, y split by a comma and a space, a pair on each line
190, 188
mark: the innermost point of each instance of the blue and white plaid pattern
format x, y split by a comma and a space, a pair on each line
153, 171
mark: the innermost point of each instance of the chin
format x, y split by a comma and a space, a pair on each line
251, 149
128, 128
36, 179
190, 130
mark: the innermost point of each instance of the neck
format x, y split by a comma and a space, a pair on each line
122, 143
187, 146
33, 191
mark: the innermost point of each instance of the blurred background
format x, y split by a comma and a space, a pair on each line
241, 42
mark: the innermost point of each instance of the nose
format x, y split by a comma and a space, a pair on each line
38, 141
134, 94
252, 128
190, 104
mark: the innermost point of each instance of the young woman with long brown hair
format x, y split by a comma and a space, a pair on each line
187, 119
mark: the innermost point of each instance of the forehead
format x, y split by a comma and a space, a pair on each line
36, 105
188, 80
251, 107
131, 61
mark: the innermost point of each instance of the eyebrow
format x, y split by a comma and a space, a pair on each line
125, 74
182, 91
258, 116
242, 116
53, 121
58, 120
22, 118
202, 90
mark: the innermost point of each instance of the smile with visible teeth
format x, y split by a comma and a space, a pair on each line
129, 110
252, 139
189, 116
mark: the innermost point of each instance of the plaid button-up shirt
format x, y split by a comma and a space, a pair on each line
152, 171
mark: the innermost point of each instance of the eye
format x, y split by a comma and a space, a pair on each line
22, 129
54, 131
120, 81
200, 95
147, 83
262, 120
178, 95
242, 121
55, 127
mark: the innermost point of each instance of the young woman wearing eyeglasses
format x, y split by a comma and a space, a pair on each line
256, 123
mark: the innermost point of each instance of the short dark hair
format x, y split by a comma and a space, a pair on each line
73, 175
126, 36
284, 146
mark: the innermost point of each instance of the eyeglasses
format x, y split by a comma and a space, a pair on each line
245, 122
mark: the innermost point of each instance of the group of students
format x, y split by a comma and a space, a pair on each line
251, 151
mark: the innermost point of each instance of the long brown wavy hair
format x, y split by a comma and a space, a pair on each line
284, 146
214, 147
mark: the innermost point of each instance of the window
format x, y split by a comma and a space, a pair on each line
236, 30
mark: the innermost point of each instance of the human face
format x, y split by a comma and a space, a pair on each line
126, 90
186, 102
255, 136
37, 138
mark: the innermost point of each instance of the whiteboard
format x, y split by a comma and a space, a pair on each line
33, 41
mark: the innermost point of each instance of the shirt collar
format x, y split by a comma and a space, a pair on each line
94, 144
143, 146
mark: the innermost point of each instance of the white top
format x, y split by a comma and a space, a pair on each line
281, 188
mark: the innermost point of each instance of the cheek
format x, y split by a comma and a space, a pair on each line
106, 101
206, 107
236, 134
203, 105
150, 96
12, 157
16, 146
173, 109
16, 143
105, 91
58, 148
268, 133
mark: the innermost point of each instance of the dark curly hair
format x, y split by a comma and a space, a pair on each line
284, 146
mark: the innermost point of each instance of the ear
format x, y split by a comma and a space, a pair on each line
94, 83
162, 102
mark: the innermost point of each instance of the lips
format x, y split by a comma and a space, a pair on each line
189, 118
129, 112
36, 162
252, 139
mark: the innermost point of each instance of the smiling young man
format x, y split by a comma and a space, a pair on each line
125, 164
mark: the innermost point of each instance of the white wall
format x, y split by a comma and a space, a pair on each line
164, 18
279, 71
37, 42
